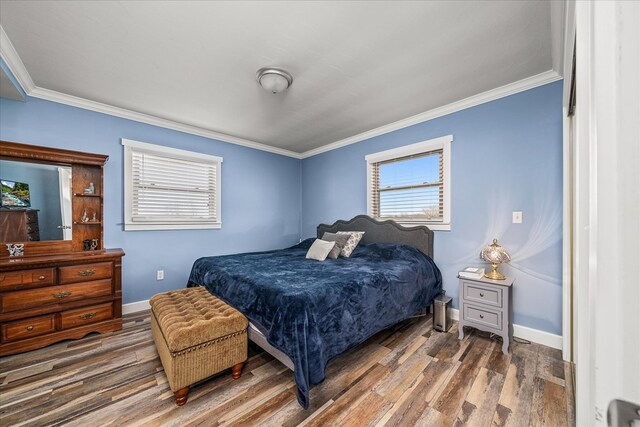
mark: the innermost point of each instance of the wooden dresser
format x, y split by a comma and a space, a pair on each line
19, 225
60, 289
47, 299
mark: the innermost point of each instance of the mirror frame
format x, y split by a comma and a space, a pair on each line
36, 154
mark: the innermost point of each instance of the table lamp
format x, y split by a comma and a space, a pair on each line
495, 255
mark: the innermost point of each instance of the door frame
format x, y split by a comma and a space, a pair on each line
568, 162
607, 205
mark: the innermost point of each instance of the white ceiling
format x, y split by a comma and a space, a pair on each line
356, 65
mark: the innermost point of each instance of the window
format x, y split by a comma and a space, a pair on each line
166, 188
412, 184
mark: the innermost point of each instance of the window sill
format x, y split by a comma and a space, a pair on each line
143, 227
432, 226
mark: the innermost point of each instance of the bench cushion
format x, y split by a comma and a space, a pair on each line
191, 317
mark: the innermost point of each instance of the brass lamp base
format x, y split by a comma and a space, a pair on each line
494, 274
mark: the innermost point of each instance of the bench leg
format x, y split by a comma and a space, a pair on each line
237, 370
182, 395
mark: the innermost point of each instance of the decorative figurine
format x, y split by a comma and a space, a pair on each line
91, 189
86, 244
94, 218
94, 244
85, 217
15, 249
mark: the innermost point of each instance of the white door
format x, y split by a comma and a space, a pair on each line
607, 211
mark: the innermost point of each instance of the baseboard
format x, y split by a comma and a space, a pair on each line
529, 334
134, 307
538, 336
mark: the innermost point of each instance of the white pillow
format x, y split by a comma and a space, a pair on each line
350, 246
320, 249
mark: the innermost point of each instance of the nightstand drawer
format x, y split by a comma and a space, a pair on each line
483, 316
485, 294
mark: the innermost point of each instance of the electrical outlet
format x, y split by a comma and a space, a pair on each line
160, 275
516, 217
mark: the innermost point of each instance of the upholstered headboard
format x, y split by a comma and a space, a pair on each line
375, 231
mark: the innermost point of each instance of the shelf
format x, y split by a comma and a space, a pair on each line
87, 223
86, 195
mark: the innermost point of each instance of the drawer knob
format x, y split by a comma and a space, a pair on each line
30, 328
88, 316
482, 316
481, 294
41, 277
86, 272
62, 294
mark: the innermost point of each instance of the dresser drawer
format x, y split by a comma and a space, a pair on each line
485, 294
86, 315
82, 273
12, 301
483, 316
45, 276
42, 276
27, 328
11, 279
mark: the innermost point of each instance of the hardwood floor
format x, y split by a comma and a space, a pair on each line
408, 375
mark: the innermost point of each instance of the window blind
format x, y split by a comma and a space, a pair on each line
408, 189
172, 190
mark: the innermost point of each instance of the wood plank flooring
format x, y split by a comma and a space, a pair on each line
407, 375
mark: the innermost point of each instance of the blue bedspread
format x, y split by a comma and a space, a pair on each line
313, 311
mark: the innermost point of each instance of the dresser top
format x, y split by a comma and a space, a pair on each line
69, 257
506, 282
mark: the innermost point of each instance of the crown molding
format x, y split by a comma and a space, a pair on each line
99, 107
481, 98
17, 68
15, 64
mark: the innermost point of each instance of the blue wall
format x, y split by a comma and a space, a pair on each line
260, 191
506, 156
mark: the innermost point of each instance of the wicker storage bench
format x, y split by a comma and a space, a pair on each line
197, 335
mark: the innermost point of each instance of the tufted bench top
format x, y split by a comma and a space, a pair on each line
190, 317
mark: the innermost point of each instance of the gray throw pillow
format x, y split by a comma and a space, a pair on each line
340, 239
354, 239
320, 249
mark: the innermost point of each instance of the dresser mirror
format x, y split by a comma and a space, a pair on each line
53, 198
36, 202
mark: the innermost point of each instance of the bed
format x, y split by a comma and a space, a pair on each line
306, 312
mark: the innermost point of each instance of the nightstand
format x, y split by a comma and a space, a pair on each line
485, 304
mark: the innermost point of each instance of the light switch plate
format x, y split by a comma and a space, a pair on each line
517, 217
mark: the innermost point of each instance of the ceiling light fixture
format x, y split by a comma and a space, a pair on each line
274, 79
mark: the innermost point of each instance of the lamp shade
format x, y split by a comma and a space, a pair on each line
274, 80
496, 255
